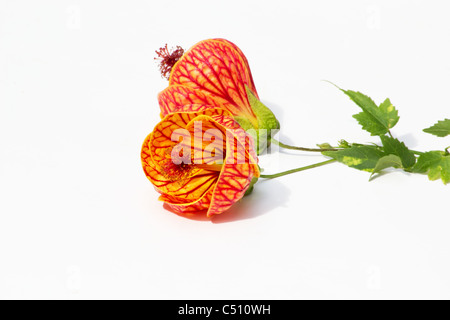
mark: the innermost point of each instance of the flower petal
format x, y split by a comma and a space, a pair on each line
242, 149
251, 85
215, 66
190, 183
190, 188
239, 169
161, 137
231, 187
174, 97
211, 147
215, 188
202, 109
185, 208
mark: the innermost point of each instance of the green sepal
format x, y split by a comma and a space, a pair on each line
266, 122
251, 187
266, 118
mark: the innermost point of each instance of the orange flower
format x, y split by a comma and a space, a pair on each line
210, 169
215, 72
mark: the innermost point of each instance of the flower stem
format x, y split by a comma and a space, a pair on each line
285, 146
276, 175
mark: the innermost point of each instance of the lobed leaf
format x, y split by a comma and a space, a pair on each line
376, 120
363, 158
393, 146
436, 164
440, 129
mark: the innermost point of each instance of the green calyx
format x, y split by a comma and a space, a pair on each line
250, 188
266, 123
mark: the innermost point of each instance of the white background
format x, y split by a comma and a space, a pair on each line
78, 218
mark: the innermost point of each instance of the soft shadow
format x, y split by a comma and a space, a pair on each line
409, 139
279, 114
379, 175
266, 196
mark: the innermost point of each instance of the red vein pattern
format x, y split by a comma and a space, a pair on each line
173, 97
190, 187
218, 70
201, 205
235, 176
193, 188
161, 138
251, 85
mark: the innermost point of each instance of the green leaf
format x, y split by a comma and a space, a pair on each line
440, 129
436, 164
359, 157
389, 161
427, 160
376, 120
395, 147
390, 113
266, 118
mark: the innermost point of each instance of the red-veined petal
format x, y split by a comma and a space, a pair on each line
191, 185
218, 68
173, 98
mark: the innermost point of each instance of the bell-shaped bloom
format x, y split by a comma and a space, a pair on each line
215, 72
199, 159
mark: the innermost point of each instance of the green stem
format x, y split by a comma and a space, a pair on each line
276, 175
285, 146
417, 153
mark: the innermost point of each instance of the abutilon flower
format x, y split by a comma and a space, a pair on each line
215, 72
210, 169
212, 106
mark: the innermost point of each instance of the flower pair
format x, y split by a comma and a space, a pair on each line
200, 157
